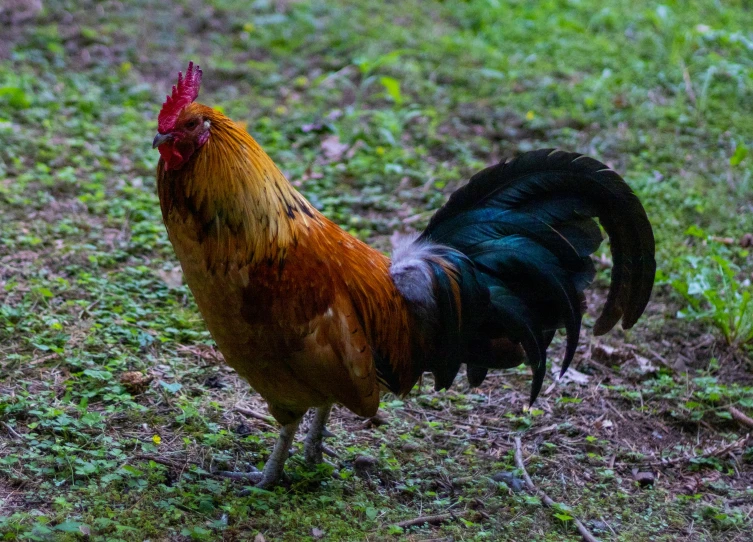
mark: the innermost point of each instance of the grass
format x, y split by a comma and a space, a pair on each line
376, 111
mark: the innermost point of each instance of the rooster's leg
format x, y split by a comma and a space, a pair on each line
312, 450
276, 463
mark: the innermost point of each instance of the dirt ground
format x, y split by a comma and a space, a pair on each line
118, 416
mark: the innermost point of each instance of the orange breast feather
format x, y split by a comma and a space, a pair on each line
335, 297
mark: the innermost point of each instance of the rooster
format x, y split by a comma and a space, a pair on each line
311, 316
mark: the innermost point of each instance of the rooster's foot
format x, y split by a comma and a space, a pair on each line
313, 447
275, 465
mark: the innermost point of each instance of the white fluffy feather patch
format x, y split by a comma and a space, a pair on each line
410, 270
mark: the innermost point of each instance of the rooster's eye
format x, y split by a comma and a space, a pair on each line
191, 124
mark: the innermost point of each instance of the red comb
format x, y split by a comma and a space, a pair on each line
184, 93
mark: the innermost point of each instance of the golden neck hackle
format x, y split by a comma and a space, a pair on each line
247, 209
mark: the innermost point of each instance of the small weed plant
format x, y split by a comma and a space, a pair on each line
717, 290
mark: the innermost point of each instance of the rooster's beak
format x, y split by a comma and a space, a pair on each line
159, 139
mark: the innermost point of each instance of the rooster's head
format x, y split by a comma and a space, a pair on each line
181, 129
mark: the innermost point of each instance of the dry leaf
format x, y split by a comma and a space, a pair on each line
172, 277
573, 375
333, 148
135, 381
605, 353
645, 366
603, 424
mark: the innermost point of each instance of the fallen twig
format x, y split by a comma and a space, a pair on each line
658, 357
164, 461
740, 417
12, 431
688, 84
431, 520
727, 449
584, 532
258, 415
717, 451
417, 217
457, 421
43, 359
